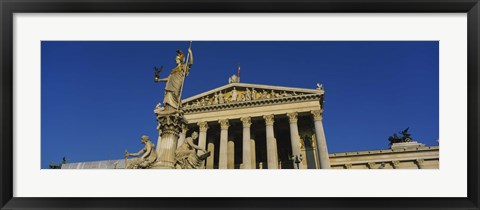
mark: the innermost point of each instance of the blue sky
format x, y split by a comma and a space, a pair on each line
98, 97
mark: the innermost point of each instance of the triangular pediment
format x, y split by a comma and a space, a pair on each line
243, 93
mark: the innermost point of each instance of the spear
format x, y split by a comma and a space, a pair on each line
186, 68
126, 158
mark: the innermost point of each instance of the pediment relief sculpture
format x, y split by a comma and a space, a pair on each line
240, 94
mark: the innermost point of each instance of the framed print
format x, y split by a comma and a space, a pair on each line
105, 104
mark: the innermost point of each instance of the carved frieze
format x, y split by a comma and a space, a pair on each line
236, 95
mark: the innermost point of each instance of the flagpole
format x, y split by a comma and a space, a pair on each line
184, 75
238, 72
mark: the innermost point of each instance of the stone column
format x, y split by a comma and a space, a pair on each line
182, 136
231, 154
252, 152
222, 158
202, 137
170, 127
211, 148
294, 137
159, 140
271, 142
247, 157
321, 141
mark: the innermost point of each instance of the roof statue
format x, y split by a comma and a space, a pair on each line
234, 79
406, 137
320, 86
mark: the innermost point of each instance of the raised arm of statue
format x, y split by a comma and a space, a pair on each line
142, 151
162, 80
193, 145
148, 157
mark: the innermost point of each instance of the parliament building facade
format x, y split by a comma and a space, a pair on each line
252, 126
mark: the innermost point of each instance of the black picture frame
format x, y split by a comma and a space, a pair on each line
9, 7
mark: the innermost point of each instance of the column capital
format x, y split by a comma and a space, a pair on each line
347, 166
246, 121
317, 115
224, 124
269, 119
419, 161
292, 117
371, 165
203, 126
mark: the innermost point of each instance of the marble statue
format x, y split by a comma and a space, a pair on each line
234, 94
171, 118
278, 95
264, 94
272, 94
215, 100
241, 97
208, 100
186, 156
174, 84
148, 158
233, 79
248, 95
254, 94
221, 98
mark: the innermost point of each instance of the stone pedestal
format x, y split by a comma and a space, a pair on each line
405, 145
170, 127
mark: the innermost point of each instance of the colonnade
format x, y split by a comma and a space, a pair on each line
226, 147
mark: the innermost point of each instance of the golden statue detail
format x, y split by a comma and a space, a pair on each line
174, 86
